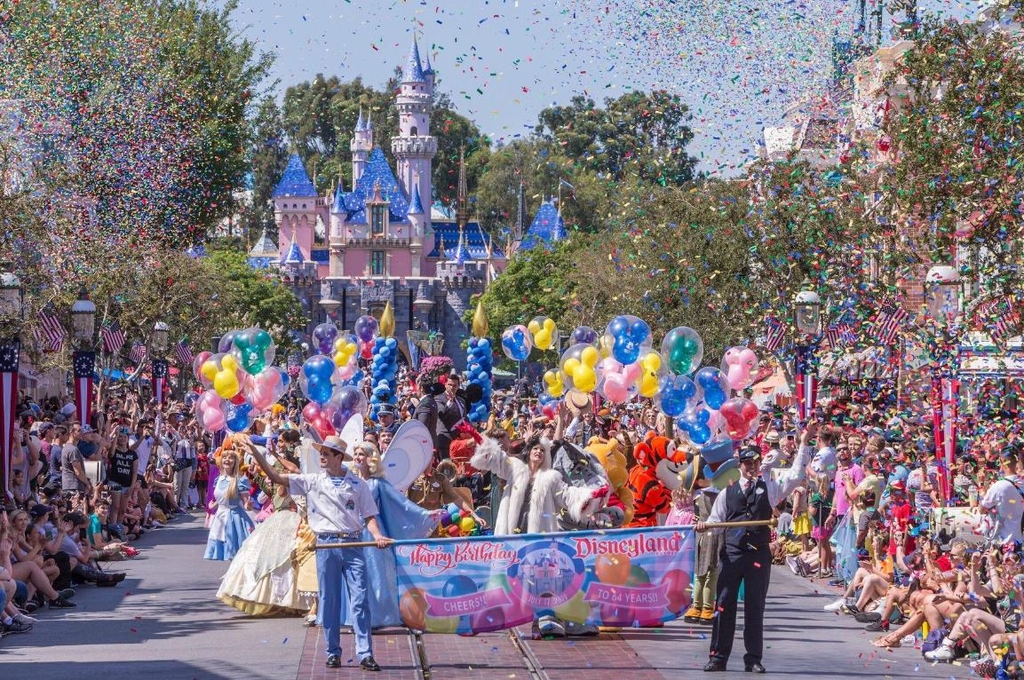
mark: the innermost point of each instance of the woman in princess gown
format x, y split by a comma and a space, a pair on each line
230, 525
263, 579
398, 518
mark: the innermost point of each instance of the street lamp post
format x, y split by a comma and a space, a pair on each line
158, 345
807, 309
12, 298
942, 291
83, 362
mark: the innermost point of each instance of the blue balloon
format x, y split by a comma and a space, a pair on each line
583, 334
678, 393
391, 343
458, 585
695, 424
238, 417
714, 386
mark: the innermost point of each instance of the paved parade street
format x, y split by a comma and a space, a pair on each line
164, 622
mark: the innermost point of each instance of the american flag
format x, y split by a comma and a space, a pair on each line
113, 338
50, 333
184, 353
1000, 318
138, 353
840, 334
776, 334
888, 323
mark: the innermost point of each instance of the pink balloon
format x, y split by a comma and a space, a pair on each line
618, 380
738, 364
263, 388
197, 363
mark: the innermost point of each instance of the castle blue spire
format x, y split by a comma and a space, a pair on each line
413, 72
295, 181
416, 208
428, 70
361, 123
294, 254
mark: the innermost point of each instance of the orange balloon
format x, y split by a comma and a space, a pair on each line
612, 569
413, 609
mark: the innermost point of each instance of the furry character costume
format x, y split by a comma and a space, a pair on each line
609, 452
550, 493
653, 478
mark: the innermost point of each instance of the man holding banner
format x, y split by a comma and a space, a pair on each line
745, 557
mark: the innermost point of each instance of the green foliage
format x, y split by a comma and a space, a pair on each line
268, 155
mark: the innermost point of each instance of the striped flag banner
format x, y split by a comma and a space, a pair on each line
138, 353
806, 381
84, 365
113, 338
10, 355
840, 335
998, 317
160, 380
888, 323
183, 353
776, 334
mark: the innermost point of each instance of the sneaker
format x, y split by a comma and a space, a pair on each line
867, 617
61, 603
15, 627
837, 605
310, 621
31, 606
943, 652
837, 583
26, 619
66, 594
877, 627
580, 629
850, 609
793, 564
551, 627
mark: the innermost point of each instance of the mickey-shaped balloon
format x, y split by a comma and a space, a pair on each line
545, 333
583, 334
579, 368
714, 386
683, 349
222, 371
255, 350
366, 329
678, 394
345, 350
630, 336
739, 366
695, 425
239, 417
315, 379
197, 368
740, 418
553, 384
267, 387
209, 411
617, 381
651, 369
516, 342
325, 336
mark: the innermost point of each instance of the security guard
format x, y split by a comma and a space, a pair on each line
745, 556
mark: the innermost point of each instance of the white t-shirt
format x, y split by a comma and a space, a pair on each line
1003, 506
334, 505
145, 450
824, 462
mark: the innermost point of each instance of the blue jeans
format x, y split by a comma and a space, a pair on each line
337, 568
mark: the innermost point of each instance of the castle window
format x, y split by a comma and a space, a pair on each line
377, 220
377, 263
414, 131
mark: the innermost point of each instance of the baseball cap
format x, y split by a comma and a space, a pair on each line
39, 510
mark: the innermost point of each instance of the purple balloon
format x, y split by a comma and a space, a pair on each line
584, 334
366, 328
227, 341
324, 335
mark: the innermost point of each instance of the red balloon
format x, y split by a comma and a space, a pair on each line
740, 415
310, 412
367, 350
678, 582
238, 399
323, 426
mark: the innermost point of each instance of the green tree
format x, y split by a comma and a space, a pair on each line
268, 154
149, 102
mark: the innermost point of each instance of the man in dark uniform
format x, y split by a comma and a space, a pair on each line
426, 408
451, 411
745, 556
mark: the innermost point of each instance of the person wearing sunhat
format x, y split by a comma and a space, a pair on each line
745, 556
338, 505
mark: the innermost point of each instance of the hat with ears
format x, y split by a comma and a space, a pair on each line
577, 402
334, 444
693, 473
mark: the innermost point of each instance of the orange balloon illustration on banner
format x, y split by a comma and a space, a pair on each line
613, 569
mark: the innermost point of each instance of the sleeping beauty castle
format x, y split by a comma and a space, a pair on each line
382, 240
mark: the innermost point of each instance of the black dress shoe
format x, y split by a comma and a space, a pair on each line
368, 664
333, 661
714, 666
755, 668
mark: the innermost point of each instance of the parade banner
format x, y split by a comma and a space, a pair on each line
623, 577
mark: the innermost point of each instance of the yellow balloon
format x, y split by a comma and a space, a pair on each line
590, 356
209, 370
226, 384
542, 340
649, 385
652, 362
549, 325
577, 609
554, 382
606, 344
442, 624
228, 363
533, 327
571, 365
467, 524
584, 379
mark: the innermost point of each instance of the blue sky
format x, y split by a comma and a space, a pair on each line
738, 64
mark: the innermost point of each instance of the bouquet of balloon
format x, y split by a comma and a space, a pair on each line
343, 348
240, 381
332, 401
457, 522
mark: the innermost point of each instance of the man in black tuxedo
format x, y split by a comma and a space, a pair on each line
452, 409
427, 407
